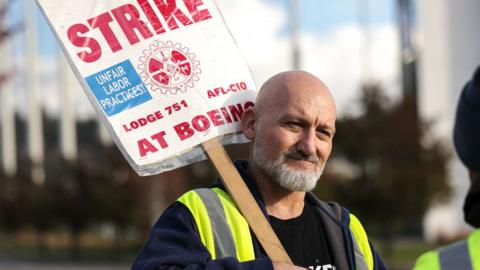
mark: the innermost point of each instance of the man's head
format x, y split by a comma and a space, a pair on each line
466, 138
291, 128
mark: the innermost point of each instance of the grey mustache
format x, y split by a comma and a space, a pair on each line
302, 156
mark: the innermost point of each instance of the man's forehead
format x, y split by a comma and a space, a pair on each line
301, 106
315, 100
297, 87
309, 99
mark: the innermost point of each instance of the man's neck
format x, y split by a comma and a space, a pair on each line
279, 202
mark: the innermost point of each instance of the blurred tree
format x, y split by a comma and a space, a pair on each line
116, 196
386, 170
77, 182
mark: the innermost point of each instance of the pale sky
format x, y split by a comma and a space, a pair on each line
334, 45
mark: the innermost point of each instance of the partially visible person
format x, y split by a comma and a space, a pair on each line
465, 254
291, 128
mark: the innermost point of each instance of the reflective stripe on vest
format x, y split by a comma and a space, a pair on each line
455, 256
222, 229
462, 255
363, 253
219, 223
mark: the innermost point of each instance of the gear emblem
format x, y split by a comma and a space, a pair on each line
168, 67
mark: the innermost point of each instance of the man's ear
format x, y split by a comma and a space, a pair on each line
248, 123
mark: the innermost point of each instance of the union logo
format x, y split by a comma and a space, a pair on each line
168, 67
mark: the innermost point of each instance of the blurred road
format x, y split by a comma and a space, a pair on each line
32, 265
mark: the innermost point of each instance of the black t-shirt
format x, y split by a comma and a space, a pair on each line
304, 239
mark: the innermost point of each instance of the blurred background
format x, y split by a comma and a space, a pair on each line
69, 200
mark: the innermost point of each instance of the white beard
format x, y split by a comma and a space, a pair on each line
288, 178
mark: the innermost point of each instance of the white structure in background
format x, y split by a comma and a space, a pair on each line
365, 49
35, 128
294, 23
105, 137
449, 55
9, 155
68, 130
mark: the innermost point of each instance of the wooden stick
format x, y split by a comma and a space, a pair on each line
247, 205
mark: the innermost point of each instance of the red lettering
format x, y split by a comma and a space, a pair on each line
152, 17
200, 123
169, 11
127, 129
151, 118
215, 117
142, 121
210, 94
236, 111
234, 87
226, 115
158, 115
197, 15
184, 131
128, 18
102, 23
93, 52
144, 147
159, 137
161, 15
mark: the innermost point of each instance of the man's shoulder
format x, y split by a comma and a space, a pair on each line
176, 211
452, 253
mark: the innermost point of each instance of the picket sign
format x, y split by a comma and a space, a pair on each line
168, 82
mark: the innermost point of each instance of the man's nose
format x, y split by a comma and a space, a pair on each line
307, 142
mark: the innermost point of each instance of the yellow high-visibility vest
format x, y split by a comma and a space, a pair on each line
461, 255
225, 233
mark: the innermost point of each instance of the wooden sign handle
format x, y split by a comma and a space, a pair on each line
247, 205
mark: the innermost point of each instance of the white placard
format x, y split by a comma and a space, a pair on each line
164, 75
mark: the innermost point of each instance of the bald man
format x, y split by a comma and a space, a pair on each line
291, 128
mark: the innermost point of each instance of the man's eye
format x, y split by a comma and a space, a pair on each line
323, 133
292, 125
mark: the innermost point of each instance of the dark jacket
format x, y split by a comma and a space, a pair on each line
174, 242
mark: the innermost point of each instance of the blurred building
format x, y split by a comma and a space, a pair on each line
449, 53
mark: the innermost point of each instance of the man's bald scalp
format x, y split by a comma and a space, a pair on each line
278, 85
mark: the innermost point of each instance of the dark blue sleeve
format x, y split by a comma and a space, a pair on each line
175, 244
377, 260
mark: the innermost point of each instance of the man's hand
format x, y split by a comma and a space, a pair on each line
286, 266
